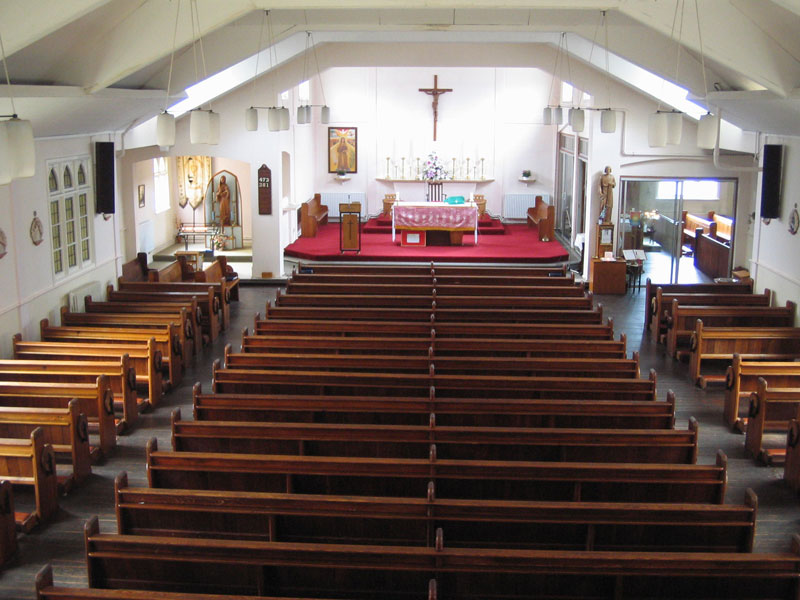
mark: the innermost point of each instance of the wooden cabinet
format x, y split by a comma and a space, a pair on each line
607, 276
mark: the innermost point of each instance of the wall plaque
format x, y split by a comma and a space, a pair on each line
264, 190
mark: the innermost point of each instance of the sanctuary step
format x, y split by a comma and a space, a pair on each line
486, 225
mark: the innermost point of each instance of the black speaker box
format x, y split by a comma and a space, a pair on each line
771, 178
104, 177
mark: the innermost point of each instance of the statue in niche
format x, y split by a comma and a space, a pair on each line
607, 185
224, 202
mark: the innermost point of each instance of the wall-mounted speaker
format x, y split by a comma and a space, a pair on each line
104, 177
771, 181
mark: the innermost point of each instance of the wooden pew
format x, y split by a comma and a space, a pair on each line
465, 479
256, 516
193, 315
474, 412
397, 363
31, 462
301, 381
540, 331
165, 338
144, 358
712, 256
791, 467
401, 572
312, 214
684, 318
543, 215
221, 293
220, 272
362, 269
180, 270
121, 376
741, 379
443, 346
355, 288
724, 227
662, 304
209, 304
750, 343
691, 223
136, 269
452, 443
440, 302
441, 279
189, 343
771, 408
688, 288
8, 525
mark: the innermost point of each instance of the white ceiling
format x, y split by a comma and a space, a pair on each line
87, 66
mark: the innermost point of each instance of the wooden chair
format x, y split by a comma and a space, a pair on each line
435, 192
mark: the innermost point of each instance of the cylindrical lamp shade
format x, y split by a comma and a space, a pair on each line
274, 119
558, 115
165, 130
284, 118
325, 115
657, 130
608, 120
6, 156
20, 141
251, 119
301, 115
213, 127
674, 127
547, 116
707, 129
199, 127
577, 119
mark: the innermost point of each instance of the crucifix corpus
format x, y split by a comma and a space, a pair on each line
435, 91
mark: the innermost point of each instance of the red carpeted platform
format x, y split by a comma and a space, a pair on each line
486, 225
520, 244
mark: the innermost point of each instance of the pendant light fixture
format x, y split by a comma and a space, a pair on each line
203, 124
666, 127
17, 150
608, 116
708, 125
251, 114
304, 111
165, 122
554, 115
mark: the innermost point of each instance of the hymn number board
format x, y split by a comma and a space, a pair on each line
264, 190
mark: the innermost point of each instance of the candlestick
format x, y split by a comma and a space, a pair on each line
418, 167
467, 177
453, 174
482, 173
403, 167
388, 158
395, 170
475, 172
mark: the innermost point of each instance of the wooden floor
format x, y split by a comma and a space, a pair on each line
61, 542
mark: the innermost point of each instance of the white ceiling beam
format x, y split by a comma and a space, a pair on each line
790, 5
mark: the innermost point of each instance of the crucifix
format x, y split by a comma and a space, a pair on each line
435, 91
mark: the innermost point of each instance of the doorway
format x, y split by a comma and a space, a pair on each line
653, 217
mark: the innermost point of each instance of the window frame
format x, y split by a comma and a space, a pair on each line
71, 239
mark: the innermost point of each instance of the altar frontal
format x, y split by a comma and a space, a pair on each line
428, 217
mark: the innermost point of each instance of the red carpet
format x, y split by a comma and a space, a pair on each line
520, 244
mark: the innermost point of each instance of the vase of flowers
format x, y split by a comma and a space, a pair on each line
434, 168
526, 174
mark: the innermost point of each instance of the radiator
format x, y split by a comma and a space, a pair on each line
333, 200
515, 206
77, 295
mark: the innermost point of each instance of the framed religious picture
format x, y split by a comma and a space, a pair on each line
342, 150
141, 196
605, 238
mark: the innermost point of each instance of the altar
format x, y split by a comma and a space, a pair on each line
434, 216
413, 190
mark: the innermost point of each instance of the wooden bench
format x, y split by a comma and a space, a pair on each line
543, 216
724, 227
144, 358
751, 343
451, 443
96, 401
207, 302
8, 525
368, 520
662, 304
687, 288
136, 269
190, 343
691, 223
220, 272
771, 408
791, 467
683, 319
489, 365
312, 214
464, 479
427, 290
165, 339
741, 379
425, 269
30, 462
467, 280
474, 412
221, 293
443, 346
397, 572
65, 429
301, 381
180, 270
119, 373
712, 256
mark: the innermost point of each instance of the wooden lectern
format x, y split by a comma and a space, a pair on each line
350, 227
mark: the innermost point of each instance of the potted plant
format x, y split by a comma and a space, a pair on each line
341, 172
526, 173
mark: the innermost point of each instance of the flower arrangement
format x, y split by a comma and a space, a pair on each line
219, 240
434, 168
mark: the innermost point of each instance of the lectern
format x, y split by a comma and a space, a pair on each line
350, 227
